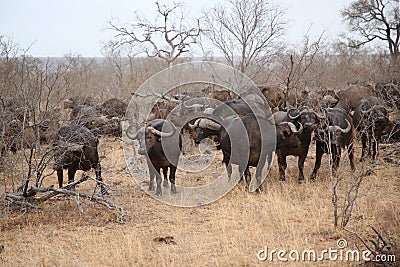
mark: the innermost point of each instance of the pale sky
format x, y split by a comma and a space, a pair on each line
78, 27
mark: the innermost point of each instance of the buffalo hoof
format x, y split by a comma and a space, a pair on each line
165, 184
158, 192
173, 189
259, 190
151, 187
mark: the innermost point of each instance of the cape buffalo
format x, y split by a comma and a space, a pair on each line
255, 127
337, 132
310, 120
371, 117
76, 149
349, 98
161, 143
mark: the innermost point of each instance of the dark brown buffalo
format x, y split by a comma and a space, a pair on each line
76, 149
309, 119
151, 146
349, 98
371, 117
336, 133
257, 130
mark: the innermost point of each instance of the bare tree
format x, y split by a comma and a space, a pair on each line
296, 63
374, 20
166, 38
246, 32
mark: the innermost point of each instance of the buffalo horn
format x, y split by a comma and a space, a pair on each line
159, 133
293, 117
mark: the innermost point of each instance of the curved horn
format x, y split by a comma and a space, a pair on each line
293, 117
294, 129
196, 124
161, 134
131, 136
291, 126
213, 125
345, 130
363, 111
300, 128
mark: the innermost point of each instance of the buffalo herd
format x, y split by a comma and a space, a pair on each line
241, 128
247, 128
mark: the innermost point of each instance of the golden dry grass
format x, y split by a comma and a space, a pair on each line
228, 232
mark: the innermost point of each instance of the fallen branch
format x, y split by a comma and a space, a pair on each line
56, 191
32, 201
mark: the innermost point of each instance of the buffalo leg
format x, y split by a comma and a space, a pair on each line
318, 156
350, 152
282, 166
99, 178
60, 177
172, 172
336, 154
259, 169
152, 173
165, 174
374, 148
300, 164
158, 182
364, 146
244, 172
369, 145
71, 175
247, 174
228, 170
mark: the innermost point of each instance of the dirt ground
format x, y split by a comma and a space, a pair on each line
229, 232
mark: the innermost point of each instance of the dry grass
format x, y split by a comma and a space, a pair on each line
228, 232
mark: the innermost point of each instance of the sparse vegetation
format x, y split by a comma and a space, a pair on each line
42, 225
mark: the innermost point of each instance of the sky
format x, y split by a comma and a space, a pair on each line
56, 28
